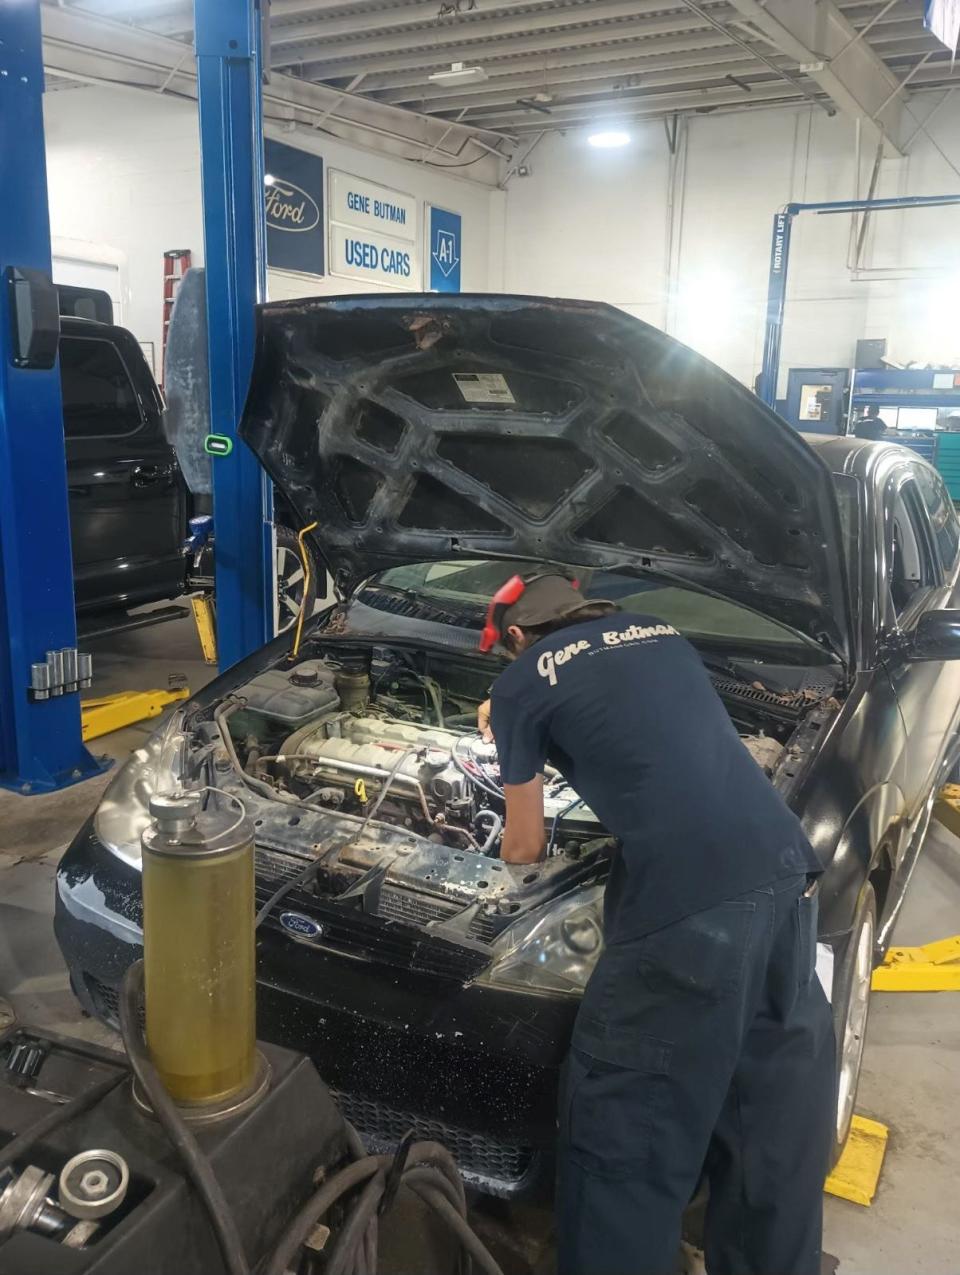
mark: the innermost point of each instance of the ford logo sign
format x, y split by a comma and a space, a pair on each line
295, 923
290, 208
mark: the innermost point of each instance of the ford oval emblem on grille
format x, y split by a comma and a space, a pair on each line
302, 925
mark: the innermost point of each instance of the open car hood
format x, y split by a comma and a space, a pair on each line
413, 428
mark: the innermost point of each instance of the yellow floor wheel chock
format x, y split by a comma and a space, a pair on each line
856, 1173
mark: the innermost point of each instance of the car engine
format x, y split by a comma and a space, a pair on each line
348, 736
379, 734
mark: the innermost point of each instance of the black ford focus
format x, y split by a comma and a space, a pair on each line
442, 444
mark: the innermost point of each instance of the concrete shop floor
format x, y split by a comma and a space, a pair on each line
910, 1067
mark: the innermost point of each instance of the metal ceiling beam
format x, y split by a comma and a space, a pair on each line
355, 22
436, 97
95, 50
295, 8
139, 11
896, 32
650, 106
764, 96
293, 43
407, 17
643, 106
279, 10
329, 67
639, 51
817, 36
579, 84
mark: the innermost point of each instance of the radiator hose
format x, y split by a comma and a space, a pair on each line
370, 1183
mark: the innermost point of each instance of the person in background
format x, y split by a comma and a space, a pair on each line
870, 424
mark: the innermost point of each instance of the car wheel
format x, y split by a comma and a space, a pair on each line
851, 1004
291, 579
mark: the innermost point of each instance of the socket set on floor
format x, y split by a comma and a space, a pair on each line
63, 672
90, 1186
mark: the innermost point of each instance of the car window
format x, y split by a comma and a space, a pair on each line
911, 567
463, 589
98, 396
943, 520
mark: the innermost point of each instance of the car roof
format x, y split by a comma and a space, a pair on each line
847, 454
73, 325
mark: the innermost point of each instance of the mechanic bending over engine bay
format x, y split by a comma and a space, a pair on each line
704, 1041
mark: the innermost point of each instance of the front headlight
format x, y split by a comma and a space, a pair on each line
124, 810
554, 951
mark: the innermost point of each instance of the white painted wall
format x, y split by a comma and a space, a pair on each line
124, 176
593, 223
123, 169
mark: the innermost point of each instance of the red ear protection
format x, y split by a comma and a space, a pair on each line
504, 597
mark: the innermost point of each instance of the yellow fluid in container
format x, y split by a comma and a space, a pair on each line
198, 950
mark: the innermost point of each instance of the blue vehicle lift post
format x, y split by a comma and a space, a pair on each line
40, 739
228, 40
780, 261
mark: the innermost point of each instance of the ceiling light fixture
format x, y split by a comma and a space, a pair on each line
609, 140
459, 73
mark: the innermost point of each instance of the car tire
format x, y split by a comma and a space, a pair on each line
291, 579
851, 1004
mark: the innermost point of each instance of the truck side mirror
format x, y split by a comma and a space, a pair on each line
34, 318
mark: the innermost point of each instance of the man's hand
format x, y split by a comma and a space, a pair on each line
483, 722
524, 838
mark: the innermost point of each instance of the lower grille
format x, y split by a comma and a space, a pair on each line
498, 1167
106, 1001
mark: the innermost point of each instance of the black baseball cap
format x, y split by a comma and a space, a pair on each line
531, 600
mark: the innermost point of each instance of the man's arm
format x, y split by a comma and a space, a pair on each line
524, 837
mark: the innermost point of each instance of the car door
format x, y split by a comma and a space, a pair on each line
917, 578
127, 497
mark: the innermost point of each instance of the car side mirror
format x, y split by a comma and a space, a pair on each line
937, 636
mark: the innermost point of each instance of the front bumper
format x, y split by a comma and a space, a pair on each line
402, 1046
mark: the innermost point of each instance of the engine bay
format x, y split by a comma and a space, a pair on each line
387, 735
356, 734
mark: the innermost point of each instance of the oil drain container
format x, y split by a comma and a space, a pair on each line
199, 957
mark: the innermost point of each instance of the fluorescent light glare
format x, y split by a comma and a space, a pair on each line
459, 73
609, 139
268, 179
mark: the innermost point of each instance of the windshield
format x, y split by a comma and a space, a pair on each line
459, 592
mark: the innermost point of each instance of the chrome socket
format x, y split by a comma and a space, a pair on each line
55, 660
40, 681
64, 671
69, 654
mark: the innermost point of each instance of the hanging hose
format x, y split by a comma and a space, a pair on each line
496, 827
197, 1165
305, 560
428, 1170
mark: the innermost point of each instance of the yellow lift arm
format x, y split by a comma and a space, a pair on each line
108, 713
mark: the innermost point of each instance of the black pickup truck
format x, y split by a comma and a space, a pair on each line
129, 503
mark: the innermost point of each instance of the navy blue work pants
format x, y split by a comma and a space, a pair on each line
707, 1045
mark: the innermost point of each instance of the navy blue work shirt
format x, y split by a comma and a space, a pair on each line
624, 707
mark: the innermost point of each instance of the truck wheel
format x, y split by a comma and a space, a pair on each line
291, 579
851, 1004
